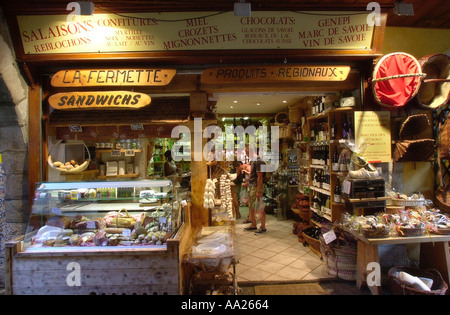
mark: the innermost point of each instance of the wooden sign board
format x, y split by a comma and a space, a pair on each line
113, 77
273, 74
96, 100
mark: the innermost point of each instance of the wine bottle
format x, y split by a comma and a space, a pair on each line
333, 129
343, 163
350, 129
315, 201
337, 191
344, 127
335, 161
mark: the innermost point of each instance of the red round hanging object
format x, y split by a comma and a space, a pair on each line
396, 79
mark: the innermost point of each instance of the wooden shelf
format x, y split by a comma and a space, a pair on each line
118, 176
326, 117
121, 150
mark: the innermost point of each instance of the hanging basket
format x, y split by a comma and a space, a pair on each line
413, 126
68, 169
396, 79
444, 139
421, 150
415, 149
281, 118
435, 88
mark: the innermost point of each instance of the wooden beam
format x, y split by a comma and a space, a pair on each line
198, 104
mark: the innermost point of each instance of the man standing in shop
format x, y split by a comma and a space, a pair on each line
255, 192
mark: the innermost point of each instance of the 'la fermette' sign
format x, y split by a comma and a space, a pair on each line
96, 100
113, 77
188, 31
260, 74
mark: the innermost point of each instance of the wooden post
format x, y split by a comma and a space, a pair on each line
198, 104
199, 169
34, 142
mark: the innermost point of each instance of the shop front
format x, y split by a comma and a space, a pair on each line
122, 112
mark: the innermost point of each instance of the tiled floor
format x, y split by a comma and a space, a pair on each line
275, 255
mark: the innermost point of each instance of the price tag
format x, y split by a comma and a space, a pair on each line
115, 153
126, 232
346, 187
137, 127
162, 220
90, 225
329, 236
129, 153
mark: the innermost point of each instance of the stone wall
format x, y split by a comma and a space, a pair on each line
13, 141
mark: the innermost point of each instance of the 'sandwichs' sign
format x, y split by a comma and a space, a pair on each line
96, 100
178, 31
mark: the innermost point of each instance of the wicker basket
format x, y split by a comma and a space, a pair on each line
296, 113
410, 232
434, 90
340, 258
303, 213
397, 74
375, 233
398, 287
444, 139
82, 167
408, 202
314, 244
281, 118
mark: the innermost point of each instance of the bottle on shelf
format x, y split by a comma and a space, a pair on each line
343, 163
344, 127
316, 201
335, 160
337, 192
333, 129
350, 130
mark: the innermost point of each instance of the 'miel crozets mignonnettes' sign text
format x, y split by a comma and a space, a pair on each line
96, 100
193, 31
260, 74
113, 77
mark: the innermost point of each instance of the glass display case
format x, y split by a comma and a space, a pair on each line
127, 214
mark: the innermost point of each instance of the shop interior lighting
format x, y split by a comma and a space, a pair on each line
403, 9
242, 8
86, 7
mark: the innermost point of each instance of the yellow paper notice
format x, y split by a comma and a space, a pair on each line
373, 135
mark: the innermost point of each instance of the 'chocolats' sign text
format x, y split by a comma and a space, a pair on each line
113, 77
255, 74
96, 100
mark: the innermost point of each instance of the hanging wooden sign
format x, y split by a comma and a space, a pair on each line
96, 100
268, 74
113, 77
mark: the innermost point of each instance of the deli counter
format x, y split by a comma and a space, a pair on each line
100, 238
